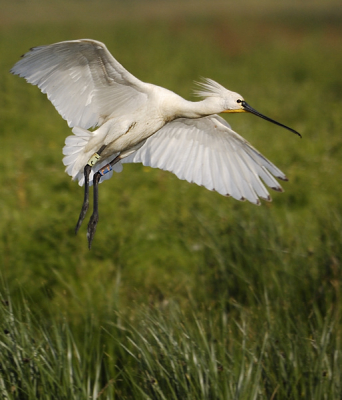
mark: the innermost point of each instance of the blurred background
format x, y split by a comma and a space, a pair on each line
167, 253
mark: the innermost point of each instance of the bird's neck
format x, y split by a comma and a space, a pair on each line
197, 109
174, 106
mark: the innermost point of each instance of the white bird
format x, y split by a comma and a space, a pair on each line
142, 122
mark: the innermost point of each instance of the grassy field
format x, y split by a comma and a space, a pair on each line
185, 294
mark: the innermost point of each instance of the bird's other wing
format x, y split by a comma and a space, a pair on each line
82, 80
208, 152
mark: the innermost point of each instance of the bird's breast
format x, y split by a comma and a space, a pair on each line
135, 132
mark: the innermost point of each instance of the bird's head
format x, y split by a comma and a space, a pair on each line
231, 102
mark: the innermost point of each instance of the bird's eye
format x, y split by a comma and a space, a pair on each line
239, 101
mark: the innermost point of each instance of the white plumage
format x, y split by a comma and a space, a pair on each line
231, 167
141, 122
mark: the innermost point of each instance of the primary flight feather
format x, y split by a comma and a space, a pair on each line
141, 122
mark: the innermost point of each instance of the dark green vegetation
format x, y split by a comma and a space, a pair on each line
185, 294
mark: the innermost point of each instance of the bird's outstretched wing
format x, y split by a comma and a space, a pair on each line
82, 80
208, 152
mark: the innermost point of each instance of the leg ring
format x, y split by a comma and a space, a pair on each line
104, 170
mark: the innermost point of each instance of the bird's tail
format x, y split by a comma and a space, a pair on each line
76, 157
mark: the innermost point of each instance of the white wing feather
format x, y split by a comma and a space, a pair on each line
208, 152
82, 80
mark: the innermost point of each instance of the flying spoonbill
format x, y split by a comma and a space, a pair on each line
142, 122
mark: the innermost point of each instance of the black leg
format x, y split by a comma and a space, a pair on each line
87, 169
85, 205
94, 219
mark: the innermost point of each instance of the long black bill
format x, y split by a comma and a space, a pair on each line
250, 109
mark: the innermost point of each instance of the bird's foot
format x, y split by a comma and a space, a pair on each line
85, 205
94, 219
83, 213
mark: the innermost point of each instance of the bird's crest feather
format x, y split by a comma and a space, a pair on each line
209, 88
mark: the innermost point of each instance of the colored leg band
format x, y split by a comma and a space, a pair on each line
94, 159
104, 170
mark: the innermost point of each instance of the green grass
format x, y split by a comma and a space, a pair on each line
185, 294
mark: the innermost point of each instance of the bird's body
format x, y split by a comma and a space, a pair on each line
141, 122
127, 132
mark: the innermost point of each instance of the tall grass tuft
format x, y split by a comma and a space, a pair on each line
167, 354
